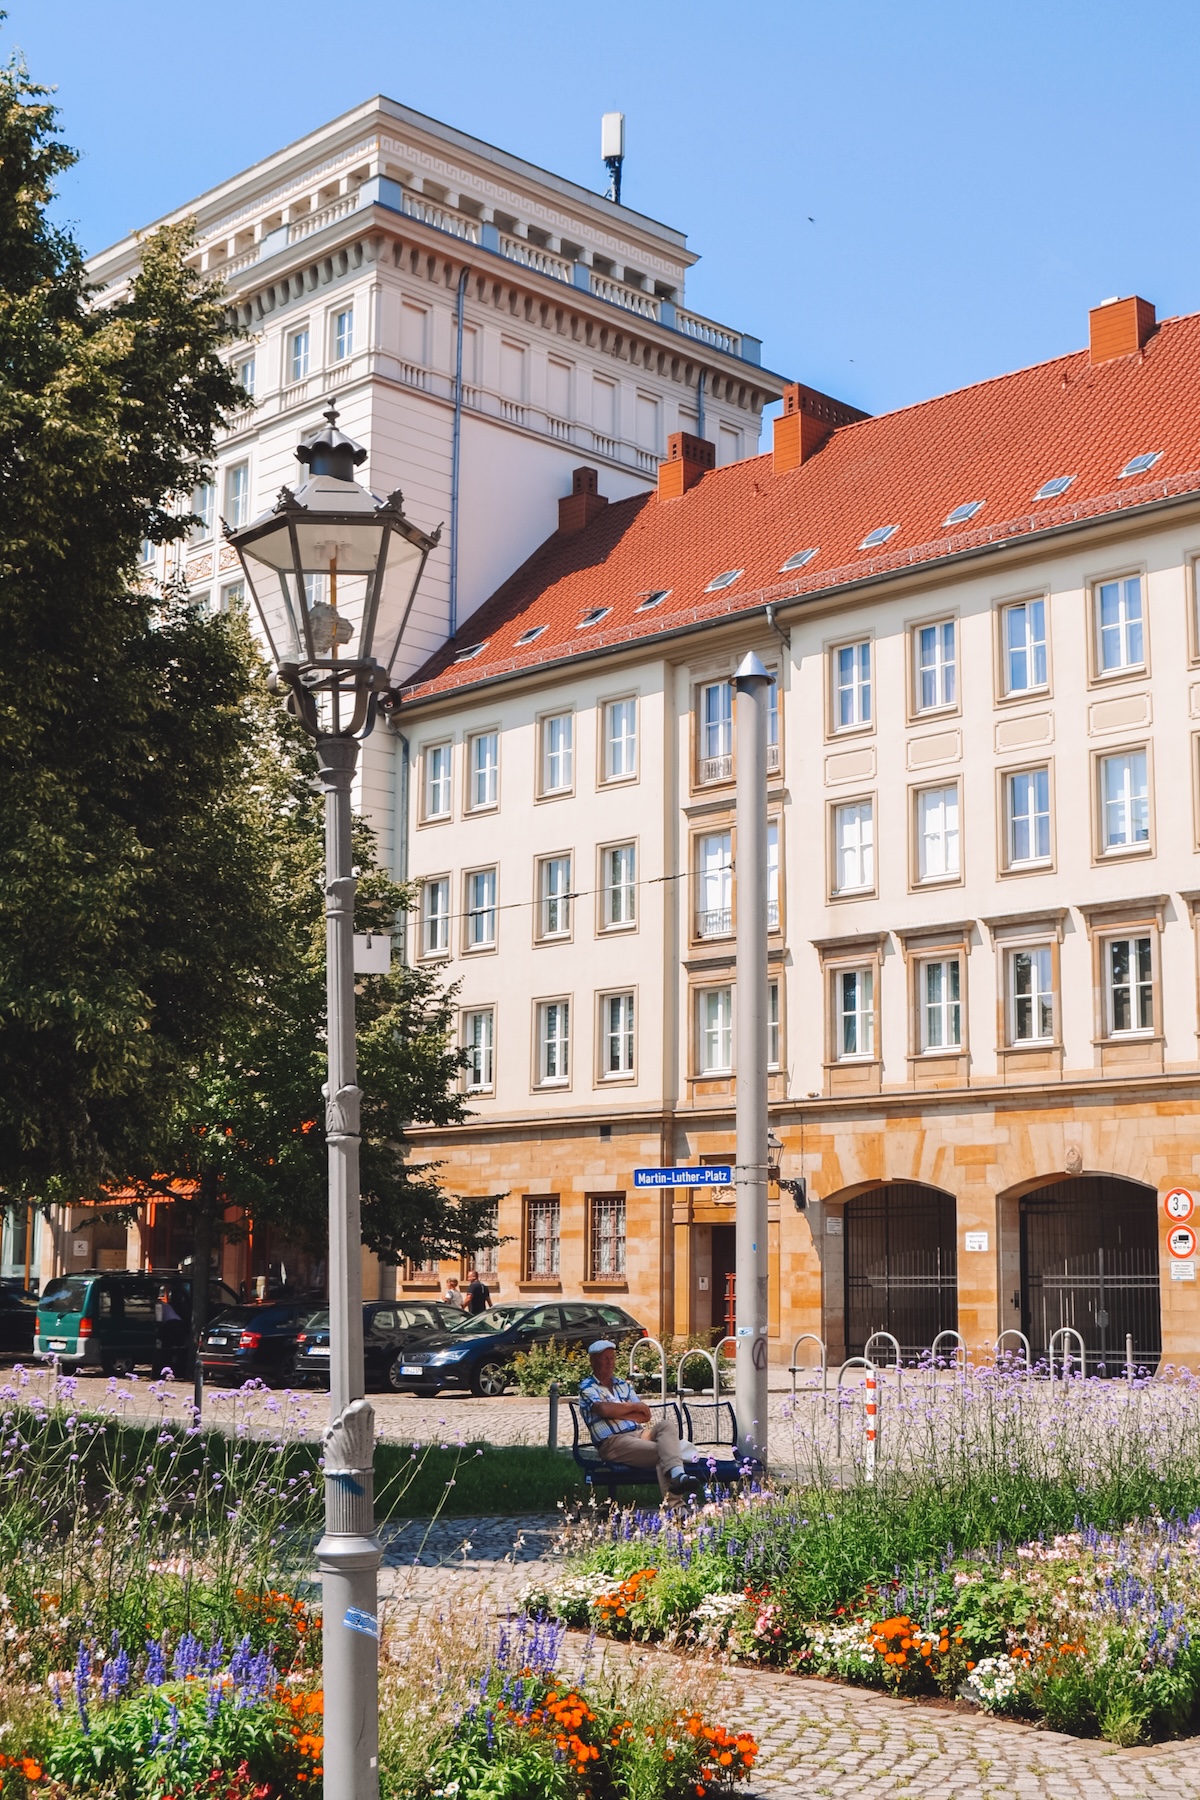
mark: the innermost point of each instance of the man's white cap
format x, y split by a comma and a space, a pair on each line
599, 1345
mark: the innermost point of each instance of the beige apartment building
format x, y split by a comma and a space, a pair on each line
984, 794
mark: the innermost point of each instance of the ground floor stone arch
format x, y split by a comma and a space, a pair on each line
1089, 1250
900, 1264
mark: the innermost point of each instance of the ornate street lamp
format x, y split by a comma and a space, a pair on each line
333, 569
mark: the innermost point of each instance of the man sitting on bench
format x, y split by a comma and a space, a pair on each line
625, 1431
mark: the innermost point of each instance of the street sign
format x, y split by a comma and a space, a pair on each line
1179, 1204
719, 1175
1182, 1241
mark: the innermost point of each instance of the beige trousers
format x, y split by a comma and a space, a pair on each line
654, 1446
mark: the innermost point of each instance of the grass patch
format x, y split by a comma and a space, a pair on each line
506, 1479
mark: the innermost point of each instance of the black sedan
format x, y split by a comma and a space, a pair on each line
18, 1321
476, 1353
389, 1327
247, 1342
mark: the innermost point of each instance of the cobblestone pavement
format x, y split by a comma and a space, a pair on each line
818, 1738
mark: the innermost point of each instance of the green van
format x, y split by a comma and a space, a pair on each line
111, 1321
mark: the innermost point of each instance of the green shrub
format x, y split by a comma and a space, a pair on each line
533, 1370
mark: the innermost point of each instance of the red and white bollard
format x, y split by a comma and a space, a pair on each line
872, 1411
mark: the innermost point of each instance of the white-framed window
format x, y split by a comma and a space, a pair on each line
854, 1014
773, 724
297, 355
619, 881
714, 868
852, 685
1125, 800
854, 847
554, 896
542, 1217
554, 1042
1129, 981
773, 1025
620, 740
438, 766
938, 856
237, 494
714, 1031
435, 916
934, 657
245, 372
716, 731
1119, 631
1027, 804
481, 909
558, 733
773, 919
204, 500
479, 1042
233, 596
343, 333
1023, 629
617, 1027
147, 552
606, 1237
487, 1261
940, 1003
1031, 995
483, 761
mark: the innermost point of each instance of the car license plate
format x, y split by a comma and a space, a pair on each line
58, 1343
217, 1343
411, 1369
318, 1350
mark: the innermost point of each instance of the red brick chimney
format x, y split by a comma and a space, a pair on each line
807, 419
1119, 327
688, 458
577, 509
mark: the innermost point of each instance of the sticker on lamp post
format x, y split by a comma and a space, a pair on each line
1181, 1241
1179, 1204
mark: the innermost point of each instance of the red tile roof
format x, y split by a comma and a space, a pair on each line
998, 442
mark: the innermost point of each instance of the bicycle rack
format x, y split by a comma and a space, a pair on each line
962, 1345
851, 1362
878, 1336
1013, 1332
1064, 1332
794, 1368
662, 1363
711, 1359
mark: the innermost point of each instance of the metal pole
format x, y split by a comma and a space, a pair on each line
552, 1429
750, 1393
349, 1554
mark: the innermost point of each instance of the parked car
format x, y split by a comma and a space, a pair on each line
476, 1352
247, 1342
18, 1321
389, 1327
109, 1319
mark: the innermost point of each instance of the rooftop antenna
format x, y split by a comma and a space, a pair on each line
612, 149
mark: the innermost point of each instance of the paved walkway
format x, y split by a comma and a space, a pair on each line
818, 1738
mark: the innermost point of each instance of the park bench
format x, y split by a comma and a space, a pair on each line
710, 1426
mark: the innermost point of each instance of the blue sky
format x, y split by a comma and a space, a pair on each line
898, 199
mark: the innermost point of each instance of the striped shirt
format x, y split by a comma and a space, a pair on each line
591, 1394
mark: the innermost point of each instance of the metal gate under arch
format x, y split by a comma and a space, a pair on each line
901, 1266
1089, 1259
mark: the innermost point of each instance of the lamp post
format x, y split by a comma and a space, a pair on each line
332, 566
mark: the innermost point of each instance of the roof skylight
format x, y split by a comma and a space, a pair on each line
655, 597
1137, 465
724, 580
1050, 490
593, 617
527, 637
470, 651
880, 535
800, 559
962, 513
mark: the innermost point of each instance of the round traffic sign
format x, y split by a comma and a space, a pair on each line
1182, 1241
1179, 1204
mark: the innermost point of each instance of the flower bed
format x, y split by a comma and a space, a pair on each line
1089, 1631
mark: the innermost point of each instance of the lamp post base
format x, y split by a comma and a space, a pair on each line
348, 1557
